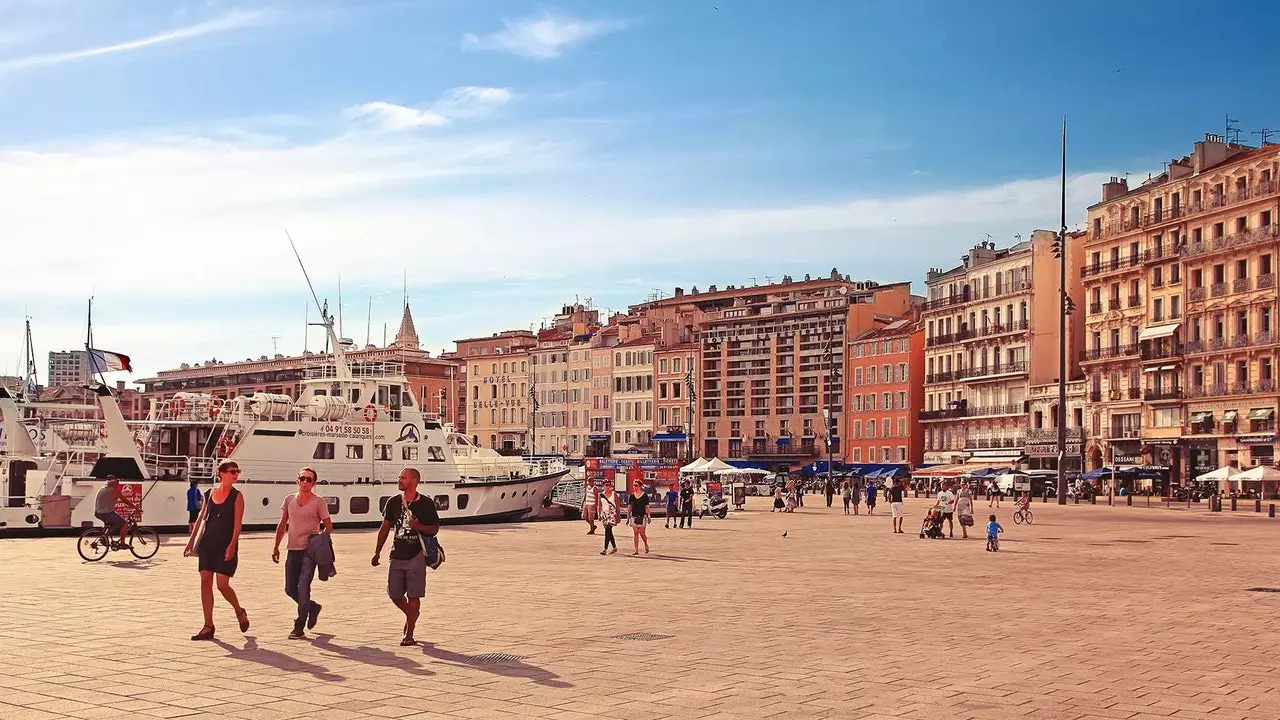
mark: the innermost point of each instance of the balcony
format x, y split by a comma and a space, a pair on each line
943, 339
1135, 301
993, 410
1161, 352
993, 443
1125, 432
941, 377
965, 299
1218, 289
1106, 353
1095, 396
1095, 308
1162, 252
1241, 285
1197, 293
1266, 281
1110, 266
1114, 304
1234, 241
951, 414
1228, 389
1074, 434
1012, 368
1161, 394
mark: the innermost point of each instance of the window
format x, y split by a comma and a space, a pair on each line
442, 502
435, 453
662, 391
334, 504
857, 455
902, 427
359, 505
463, 499
409, 452
662, 365
324, 451
355, 452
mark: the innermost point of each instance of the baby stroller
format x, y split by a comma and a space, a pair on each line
931, 526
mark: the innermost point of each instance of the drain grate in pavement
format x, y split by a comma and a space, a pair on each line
1133, 541
1213, 543
494, 659
1101, 544
642, 636
1262, 589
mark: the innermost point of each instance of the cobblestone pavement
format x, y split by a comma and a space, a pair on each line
1093, 612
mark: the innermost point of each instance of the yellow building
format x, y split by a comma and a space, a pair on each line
1180, 284
498, 402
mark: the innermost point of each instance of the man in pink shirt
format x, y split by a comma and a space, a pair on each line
302, 515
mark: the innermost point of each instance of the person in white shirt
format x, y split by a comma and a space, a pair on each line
947, 501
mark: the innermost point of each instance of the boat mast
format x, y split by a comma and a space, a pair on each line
339, 352
32, 389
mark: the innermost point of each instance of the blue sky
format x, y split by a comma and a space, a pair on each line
511, 156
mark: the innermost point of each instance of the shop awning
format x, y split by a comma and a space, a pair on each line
1199, 417
1166, 368
1153, 332
1153, 368
1229, 416
784, 441
603, 436
670, 437
1261, 413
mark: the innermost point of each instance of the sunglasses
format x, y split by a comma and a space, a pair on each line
306, 478
234, 471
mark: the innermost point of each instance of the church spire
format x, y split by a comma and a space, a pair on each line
407, 335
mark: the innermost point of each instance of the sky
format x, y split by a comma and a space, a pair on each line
501, 158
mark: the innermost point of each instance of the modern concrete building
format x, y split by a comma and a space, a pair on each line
69, 367
885, 376
991, 332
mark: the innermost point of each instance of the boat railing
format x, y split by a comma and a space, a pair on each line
359, 371
569, 492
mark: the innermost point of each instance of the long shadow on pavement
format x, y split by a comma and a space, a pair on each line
253, 653
512, 668
369, 655
672, 558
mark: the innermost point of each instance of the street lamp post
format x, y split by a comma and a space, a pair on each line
833, 374
1065, 308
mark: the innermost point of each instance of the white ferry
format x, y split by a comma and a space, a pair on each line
357, 425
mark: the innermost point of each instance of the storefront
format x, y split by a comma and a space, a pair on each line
1257, 449
1202, 457
1163, 455
1043, 454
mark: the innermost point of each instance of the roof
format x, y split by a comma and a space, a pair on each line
645, 340
1247, 154
757, 289
552, 335
898, 328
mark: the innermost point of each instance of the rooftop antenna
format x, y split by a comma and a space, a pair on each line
1230, 129
768, 279
339, 353
340, 305
753, 281
275, 345
1265, 133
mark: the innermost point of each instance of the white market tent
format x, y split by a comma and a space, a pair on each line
1262, 473
695, 466
743, 471
1222, 474
715, 465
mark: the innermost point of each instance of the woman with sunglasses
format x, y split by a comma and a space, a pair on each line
215, 543
303, 514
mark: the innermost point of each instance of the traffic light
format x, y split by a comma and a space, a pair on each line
1057, 246
1068, 305
832, 427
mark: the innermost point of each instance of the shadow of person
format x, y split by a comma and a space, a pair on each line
271, 658
369, 655
506, 668
672, 558
133, 564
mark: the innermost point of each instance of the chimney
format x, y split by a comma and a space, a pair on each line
119, 386
679, 292
1114, 188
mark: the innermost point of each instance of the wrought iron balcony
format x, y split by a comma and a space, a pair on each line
1240, 285
1074, 434
1197, 293
1160, 352
1104, 353
1009, 368
1158, 394
1218, 289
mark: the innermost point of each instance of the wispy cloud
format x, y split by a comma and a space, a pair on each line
458, 103
234, 20
542, 37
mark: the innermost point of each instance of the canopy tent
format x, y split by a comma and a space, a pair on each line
743, 471
1262, 473
1222, 474
1152, 332
695, 466
1122, 473
713, 465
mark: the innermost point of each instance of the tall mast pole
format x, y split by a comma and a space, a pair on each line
1062, 331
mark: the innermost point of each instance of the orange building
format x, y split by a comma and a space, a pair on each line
886, 393
676, 378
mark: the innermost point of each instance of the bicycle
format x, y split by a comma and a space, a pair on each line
1023, 515
95, 542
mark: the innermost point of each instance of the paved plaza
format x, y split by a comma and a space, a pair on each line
1094, 612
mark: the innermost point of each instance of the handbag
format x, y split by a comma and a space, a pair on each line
432, 552
966, 520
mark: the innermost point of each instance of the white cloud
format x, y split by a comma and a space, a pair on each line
541, 37
233, 20
458, 103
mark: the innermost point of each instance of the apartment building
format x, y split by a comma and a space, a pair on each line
68, 368
600, 435
674, 391
633, 393
1042, 429
885, 376
987, 341
550, 373
1186, 381
498, 388
580, 395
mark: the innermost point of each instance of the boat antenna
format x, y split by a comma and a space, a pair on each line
339, 305
339, 354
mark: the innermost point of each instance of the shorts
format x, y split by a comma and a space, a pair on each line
407, 577
192, 516
897, 509
949, 516
112, 519
589, 513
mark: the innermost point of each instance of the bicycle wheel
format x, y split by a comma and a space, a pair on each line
1017, 518
1028, 518
93, 544
143, 543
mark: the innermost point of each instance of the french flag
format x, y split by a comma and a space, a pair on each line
103, 361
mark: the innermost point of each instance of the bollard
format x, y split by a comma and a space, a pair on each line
1128, 500
1093, 499
1257, 505
1271, 510
1077, 499
1233, 504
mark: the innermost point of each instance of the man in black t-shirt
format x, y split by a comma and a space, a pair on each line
895, 493
686, 504
412, 517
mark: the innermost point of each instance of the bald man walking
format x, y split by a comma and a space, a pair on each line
414, 518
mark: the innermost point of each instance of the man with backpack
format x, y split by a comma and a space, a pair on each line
416, 522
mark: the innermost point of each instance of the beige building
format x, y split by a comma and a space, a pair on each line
1185, 380
600, 430
580, 396
1042, 426
987, 341
498, 388
633, 417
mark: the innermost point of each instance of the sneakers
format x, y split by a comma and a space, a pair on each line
298, 633
313, 616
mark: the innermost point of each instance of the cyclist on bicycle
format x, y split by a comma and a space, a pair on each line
105, 508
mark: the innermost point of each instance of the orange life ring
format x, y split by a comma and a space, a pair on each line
215, 407
370, 413
225, 447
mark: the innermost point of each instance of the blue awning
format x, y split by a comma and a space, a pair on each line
670, 437
784, 441
883, 470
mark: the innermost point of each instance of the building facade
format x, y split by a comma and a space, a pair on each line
633, 393
987, 341
885, 376
1184, 381
1042, 426
600, 435
674, 394
498, 380
68, 368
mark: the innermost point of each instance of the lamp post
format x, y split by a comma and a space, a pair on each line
1065, 309
692, 395
833, 374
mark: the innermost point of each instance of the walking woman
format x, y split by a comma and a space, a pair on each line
845, 492
964, 509
609, 517
856, 495
639, 518
218, 533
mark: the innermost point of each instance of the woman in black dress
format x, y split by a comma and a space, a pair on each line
639, 520
218, 530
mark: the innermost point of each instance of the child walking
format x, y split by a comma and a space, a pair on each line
993, 534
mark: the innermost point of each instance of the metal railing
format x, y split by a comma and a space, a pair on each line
1151, 394
1113, 351
1233, 241
991, 370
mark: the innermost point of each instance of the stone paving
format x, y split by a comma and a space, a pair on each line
1093, 612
